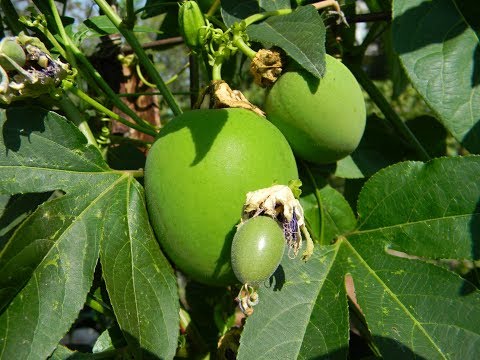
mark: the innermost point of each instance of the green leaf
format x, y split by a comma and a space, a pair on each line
412, 307
110, 339
421, 210
48, 263
269, 5
134, 265
438, 44
437, 202
48, 267
302, 312
234, 11
300, 34
100, 26
338, 216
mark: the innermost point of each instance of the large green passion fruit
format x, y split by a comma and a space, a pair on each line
323, 120
196, 178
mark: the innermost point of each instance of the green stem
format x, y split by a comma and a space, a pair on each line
243, 47
85, 97
55, 43
318, 197
169, 81
213, 8
77, 118
141, 54
66, 39
98, 305
387, 111
135, 173
130, 17
264, 15
217, 69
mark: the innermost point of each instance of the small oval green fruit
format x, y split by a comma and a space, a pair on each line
12, 49
191, 21
323, 120
257, 249
197, 175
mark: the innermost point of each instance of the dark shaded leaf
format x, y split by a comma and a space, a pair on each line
438, 44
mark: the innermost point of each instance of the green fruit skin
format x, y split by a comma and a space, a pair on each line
197, 175
14, 51
190, 21
322, 123
257, 249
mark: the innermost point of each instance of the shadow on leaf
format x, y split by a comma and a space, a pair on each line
21, 122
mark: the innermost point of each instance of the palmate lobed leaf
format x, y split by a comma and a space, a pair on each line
47, 265
439, 46
413, 308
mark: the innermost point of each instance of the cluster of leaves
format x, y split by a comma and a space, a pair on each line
64, 212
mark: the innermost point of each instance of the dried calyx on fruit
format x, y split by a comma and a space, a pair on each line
280, 203
27, 69
267, 66
221, 96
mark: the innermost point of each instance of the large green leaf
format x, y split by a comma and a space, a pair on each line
439, 45
300, 34
409, 214
47, 265
302, 313
430, 210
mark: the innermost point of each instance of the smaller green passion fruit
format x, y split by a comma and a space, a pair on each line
11, 51
257, 249
322, 119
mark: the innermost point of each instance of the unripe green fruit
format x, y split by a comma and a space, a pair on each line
10, 48
191, 21
257, 249
323, 120
197, 175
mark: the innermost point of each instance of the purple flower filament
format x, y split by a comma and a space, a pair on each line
290, 229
